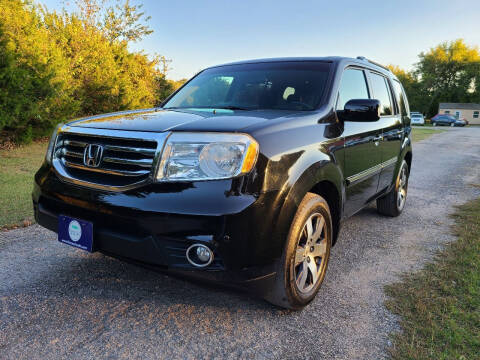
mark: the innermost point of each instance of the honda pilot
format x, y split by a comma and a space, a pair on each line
242, 177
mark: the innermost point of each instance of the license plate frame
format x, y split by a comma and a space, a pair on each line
75, 232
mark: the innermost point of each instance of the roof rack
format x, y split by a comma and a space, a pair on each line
363, 58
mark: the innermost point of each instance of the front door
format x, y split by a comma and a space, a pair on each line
362, 156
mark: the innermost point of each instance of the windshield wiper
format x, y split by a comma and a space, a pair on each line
226, 107
231, 107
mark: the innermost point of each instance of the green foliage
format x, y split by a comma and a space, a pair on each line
164, 88
30, 70
178, 83
416, 97
449, 72
439, 307
120, 21
56, 66
26, 136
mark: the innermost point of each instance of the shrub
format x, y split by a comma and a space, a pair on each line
55, 66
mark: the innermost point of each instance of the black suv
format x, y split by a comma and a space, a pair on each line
242, 177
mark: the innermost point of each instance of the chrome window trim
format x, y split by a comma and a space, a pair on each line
159, 137
371, 171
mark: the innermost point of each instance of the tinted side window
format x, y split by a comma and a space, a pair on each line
352, 86
401, 98
380, 92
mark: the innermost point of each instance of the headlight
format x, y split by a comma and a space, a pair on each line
206, 156
51, 144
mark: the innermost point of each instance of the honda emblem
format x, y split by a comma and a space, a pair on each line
92, 156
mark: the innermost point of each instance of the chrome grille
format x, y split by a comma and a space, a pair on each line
127, 160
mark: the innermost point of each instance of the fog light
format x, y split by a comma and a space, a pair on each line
203, 254
199, 255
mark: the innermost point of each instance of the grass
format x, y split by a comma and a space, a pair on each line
17, 167
419, 134
440, 305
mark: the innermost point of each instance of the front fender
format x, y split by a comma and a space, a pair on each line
308, 170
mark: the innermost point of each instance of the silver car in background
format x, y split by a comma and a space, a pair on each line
417, 118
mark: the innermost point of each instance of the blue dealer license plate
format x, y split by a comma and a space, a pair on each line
75, 232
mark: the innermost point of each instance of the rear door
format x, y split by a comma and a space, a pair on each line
362, 156
392, 128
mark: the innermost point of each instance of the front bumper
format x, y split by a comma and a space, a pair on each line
155, 224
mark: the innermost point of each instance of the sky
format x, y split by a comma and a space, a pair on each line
202, 33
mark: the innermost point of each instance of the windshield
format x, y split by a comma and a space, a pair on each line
294, 85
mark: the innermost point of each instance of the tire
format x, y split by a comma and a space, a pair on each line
393, 203
296, 285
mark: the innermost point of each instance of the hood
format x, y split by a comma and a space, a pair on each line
159, 120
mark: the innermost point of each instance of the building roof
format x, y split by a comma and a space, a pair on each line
460, 106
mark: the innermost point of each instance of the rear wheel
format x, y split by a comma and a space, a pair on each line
393, 203
302, 268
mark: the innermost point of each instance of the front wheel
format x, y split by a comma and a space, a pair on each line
393, 203
302, 268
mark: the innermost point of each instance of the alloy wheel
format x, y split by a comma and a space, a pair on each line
310, 254
402, 188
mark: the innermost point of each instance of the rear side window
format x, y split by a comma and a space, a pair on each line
401, 98
352, 86
380, 92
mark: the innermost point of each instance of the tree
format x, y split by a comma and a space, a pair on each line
57, 66
33, 76
123, 22
164, 88
118, 21
413, 88
449, 72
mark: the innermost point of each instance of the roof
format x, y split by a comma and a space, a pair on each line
460, 106
359, 60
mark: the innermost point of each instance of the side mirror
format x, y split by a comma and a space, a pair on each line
361, 110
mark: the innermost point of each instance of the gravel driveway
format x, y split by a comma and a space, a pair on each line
59, 302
